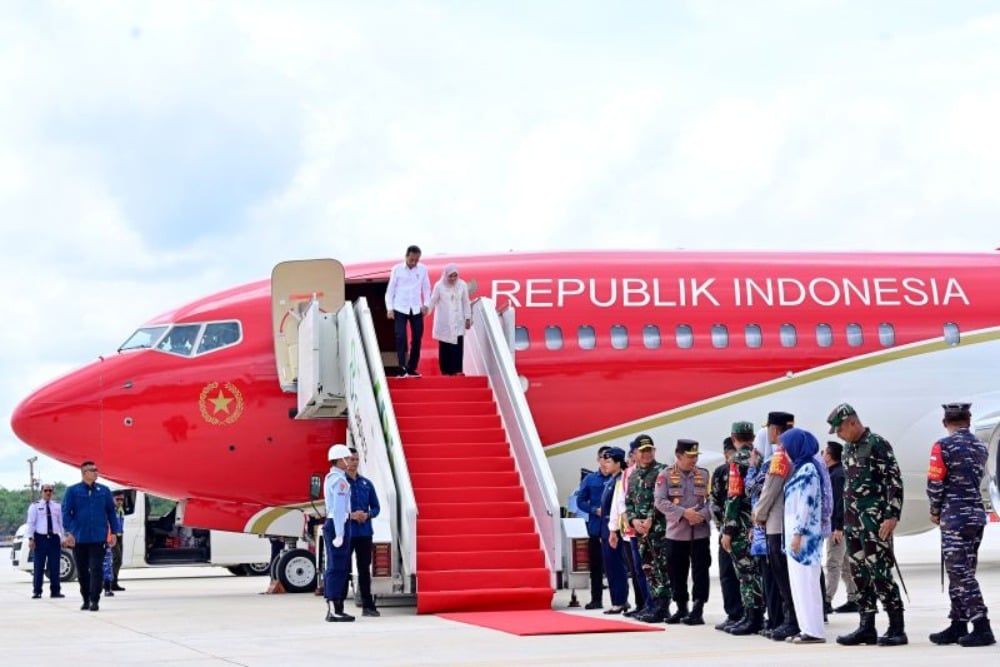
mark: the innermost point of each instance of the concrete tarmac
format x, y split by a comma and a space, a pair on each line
205, 617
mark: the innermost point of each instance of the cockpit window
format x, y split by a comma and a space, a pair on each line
180, 340
218, 334
143, 339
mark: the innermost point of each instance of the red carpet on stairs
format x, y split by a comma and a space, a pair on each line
547, 622
477, 548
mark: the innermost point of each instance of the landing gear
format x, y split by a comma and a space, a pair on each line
296, 570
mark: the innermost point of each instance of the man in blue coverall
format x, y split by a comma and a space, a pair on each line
588, 499
364, 508
88, 512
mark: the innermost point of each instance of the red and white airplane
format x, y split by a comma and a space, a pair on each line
609, 344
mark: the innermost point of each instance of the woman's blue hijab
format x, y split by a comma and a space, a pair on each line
800, 445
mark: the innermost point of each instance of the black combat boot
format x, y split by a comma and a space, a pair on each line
677, 616
865, 634
658, 614
981, 635
750, 625
728, 624
895, 635
695, 616
952, 634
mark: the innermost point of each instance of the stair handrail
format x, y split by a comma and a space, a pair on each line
406, 509
491, 356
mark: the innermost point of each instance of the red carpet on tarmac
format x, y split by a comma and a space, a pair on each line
546, 622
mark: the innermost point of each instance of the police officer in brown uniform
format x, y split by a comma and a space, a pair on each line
681, 495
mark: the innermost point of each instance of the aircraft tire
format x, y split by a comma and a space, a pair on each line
297, 571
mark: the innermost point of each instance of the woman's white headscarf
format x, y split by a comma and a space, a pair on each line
448, 270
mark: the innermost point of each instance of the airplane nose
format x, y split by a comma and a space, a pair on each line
63, 418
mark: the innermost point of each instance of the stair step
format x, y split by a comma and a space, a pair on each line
451, 408
484, 599
469, 464
462, 450
406, 394
488, 494
440, 382
480, 560
434, 436
462, 529
446, 479
473, 510
424, 422
460, 580
460, 543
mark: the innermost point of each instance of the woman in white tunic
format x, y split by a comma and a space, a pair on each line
452, 316
804, 534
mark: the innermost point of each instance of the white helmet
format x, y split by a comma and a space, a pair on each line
338, 452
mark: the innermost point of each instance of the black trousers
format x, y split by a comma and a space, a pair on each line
596, 559
361, 548
772, 598
450, 356
408, 362
779, 569
90, 568
730, 583
694, 556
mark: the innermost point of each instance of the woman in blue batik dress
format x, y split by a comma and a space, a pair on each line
804, 533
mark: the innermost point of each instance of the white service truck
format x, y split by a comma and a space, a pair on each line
154, 538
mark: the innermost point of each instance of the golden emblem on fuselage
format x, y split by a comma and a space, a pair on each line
220, 403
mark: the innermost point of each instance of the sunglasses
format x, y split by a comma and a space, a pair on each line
90, 470
47, 490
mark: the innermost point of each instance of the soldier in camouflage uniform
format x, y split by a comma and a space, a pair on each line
650, 527
736, 534
728, 580
954, 476
873, 501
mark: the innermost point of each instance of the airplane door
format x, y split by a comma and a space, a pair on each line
293, 286
373, 292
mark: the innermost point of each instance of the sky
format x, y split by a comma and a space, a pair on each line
154, 152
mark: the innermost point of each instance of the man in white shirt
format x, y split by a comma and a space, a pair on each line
406, 300
45, 533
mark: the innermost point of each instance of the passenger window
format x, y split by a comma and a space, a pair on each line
180, 340
553, 337
720, 336
753, 335
521, 341
684, 336
855, 336
217, 335
788, 335
886, 334
651, 336
952, 336
619, 336
824, 335
586, 337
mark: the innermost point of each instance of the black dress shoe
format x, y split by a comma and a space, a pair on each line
370, 611
846, 608
109, 593
35, 596
116, 587
85, 606
593, 605
340, 618
93, 606
57, 595
616, 610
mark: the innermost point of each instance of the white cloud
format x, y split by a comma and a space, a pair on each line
154, 152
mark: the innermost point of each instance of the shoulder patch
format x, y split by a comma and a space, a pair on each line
936, 469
